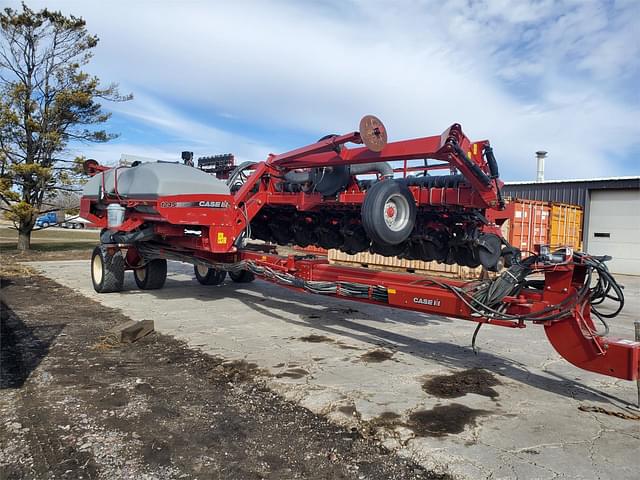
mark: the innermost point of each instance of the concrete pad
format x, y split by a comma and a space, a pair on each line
314, 346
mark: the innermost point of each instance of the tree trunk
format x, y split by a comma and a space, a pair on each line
24, 240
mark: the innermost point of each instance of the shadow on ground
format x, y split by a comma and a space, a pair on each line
341, 317
22, 348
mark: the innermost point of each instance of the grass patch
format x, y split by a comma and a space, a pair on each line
10, 236
47, 244
55, 246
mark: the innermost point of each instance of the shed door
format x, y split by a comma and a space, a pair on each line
614, 228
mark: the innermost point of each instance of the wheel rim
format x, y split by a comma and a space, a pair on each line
140, 273
202, 270
396, 212
96, 269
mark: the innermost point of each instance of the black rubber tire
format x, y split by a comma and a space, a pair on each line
489, 251
373, 212
243, 276
152, 276
212, 277
107, 271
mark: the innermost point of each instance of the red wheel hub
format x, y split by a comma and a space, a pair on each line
391, 212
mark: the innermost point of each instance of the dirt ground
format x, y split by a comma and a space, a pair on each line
73, 405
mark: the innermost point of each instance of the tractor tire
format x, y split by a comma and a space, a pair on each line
152, 276
107, 270
388, 213
243, 276
209, 276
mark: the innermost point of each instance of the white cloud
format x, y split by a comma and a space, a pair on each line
527, 75
182, 128
109, 154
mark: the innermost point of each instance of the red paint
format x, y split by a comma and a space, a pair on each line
218, 229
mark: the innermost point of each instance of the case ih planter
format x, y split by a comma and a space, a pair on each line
316, 195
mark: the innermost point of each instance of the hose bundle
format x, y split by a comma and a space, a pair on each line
605, 287
484, 298
510, 282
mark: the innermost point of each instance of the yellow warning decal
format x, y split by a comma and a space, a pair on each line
475, 148
222, 240
391, 291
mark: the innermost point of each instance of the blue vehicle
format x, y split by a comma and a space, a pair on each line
59, 219
47, 220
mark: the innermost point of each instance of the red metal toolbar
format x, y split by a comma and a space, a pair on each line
573, 336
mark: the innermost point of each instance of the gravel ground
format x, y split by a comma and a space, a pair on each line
73, 405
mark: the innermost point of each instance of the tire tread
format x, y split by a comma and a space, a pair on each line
112, 271
372, 213
155, 277
243, 276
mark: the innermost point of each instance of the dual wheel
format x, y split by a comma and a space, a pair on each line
213, 276
108, 266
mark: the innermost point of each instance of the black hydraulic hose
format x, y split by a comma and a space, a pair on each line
235, 174
142, 235
477, 171
435, 181
486, 301
491, 161
483, 302
605, 285
495, 173
499, 194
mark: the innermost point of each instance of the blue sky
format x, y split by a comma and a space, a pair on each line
267, 76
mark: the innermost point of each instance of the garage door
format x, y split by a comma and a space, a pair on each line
614, 228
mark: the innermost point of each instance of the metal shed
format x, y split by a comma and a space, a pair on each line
611, 214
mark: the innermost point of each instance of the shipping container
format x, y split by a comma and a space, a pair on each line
524, 223
566, 226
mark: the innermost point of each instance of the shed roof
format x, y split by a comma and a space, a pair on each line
575, 192
580, 180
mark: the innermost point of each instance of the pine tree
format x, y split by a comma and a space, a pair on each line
47, 102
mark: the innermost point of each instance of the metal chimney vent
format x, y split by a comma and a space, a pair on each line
540, 156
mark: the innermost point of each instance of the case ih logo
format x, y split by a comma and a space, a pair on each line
223, 204
201, 204
432, 302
